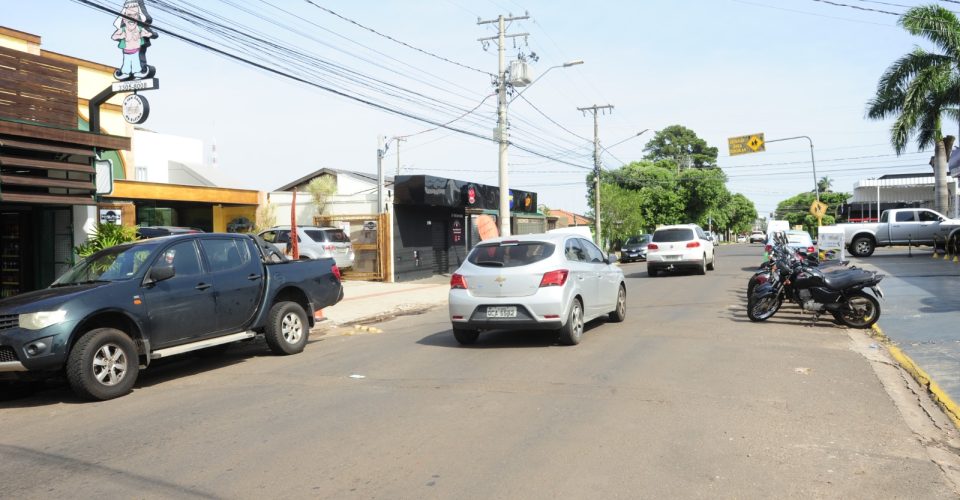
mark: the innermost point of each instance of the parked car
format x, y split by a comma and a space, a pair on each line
682, 246
315, 243
798, 240
712, 237
144, 232
127, 305
635, 248
556, 281
901, 226
758, 237
741, 238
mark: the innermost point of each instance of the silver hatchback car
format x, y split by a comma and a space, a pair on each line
315, 243
551, 281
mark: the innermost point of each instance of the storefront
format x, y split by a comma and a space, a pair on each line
436, 222
210, 209
48, 178
47, 188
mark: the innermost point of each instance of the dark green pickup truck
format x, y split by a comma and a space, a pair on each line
110, 315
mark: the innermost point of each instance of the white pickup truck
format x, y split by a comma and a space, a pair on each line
901, 226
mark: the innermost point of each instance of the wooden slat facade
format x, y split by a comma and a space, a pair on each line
37, 89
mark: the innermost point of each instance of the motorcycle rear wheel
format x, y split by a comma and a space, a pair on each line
763, 308
862, 310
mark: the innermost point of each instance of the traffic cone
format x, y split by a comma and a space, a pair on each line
318, 316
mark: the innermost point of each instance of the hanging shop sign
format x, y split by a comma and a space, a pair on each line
134, 34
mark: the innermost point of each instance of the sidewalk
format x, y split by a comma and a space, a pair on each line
369, 301
920, 312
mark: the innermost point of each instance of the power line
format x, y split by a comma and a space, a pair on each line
284, 74
405, 44
857, 7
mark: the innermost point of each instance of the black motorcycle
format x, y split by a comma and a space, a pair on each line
840, 293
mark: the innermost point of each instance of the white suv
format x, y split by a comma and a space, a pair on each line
683, 246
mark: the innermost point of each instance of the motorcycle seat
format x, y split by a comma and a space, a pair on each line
844, 279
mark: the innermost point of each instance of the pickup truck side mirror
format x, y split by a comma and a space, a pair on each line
161, 272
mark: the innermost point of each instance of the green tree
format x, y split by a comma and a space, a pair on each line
320, 189
921, 87
796, 209
741, 214
682, 147
825, 184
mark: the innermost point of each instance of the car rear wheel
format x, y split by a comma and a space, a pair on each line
712, 266
618, 314
103, 364
571, 332
703, 266
465, 336
287, 328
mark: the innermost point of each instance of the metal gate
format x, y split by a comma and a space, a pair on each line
371, 237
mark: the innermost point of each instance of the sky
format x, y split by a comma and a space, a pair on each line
722, 68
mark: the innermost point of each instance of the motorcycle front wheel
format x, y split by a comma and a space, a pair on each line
862, 310
763, 308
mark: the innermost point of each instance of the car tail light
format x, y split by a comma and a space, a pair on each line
811, 250
693, 244
329, 248
652, 246
768, 248
554, 278
336, 271
458, 281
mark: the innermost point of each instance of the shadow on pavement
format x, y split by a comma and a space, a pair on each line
57, 390
505, 339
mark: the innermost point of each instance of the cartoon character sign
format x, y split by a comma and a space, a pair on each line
133, 38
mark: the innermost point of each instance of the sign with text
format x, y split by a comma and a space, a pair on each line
745, 144
110, 216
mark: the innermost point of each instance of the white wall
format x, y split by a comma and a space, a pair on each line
156, 151
84, 223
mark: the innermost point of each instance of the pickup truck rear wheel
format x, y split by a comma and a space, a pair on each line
862, 246
287, 328
103, 364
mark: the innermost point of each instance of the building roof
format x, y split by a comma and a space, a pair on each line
572, 218
387, 179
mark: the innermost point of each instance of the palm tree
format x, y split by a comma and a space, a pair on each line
919, 89
824, 184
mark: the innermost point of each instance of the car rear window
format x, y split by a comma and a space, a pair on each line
671, 235
331, 235
798, 238
510, 254
638, 240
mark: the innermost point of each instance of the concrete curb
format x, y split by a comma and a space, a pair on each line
939, 395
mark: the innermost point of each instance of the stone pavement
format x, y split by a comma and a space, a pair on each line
920, 312
371, 301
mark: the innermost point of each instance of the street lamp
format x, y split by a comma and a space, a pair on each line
567, 64
501, 137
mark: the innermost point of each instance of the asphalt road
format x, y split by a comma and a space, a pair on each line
686, 399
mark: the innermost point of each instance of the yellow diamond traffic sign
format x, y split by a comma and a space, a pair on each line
818, 208
745, 144
756, 143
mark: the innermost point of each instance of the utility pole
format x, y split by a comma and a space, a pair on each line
596, 167
381, 151
500, 135
399, 140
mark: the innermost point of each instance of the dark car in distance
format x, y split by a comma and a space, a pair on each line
120, 308
635, 248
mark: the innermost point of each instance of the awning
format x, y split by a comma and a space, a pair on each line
46, 172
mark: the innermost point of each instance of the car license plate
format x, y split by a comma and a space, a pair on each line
671, 257
878, 291
502, 312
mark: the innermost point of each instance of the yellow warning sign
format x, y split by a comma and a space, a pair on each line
745, 144
818, 209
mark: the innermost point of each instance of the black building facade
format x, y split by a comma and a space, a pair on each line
435, 221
